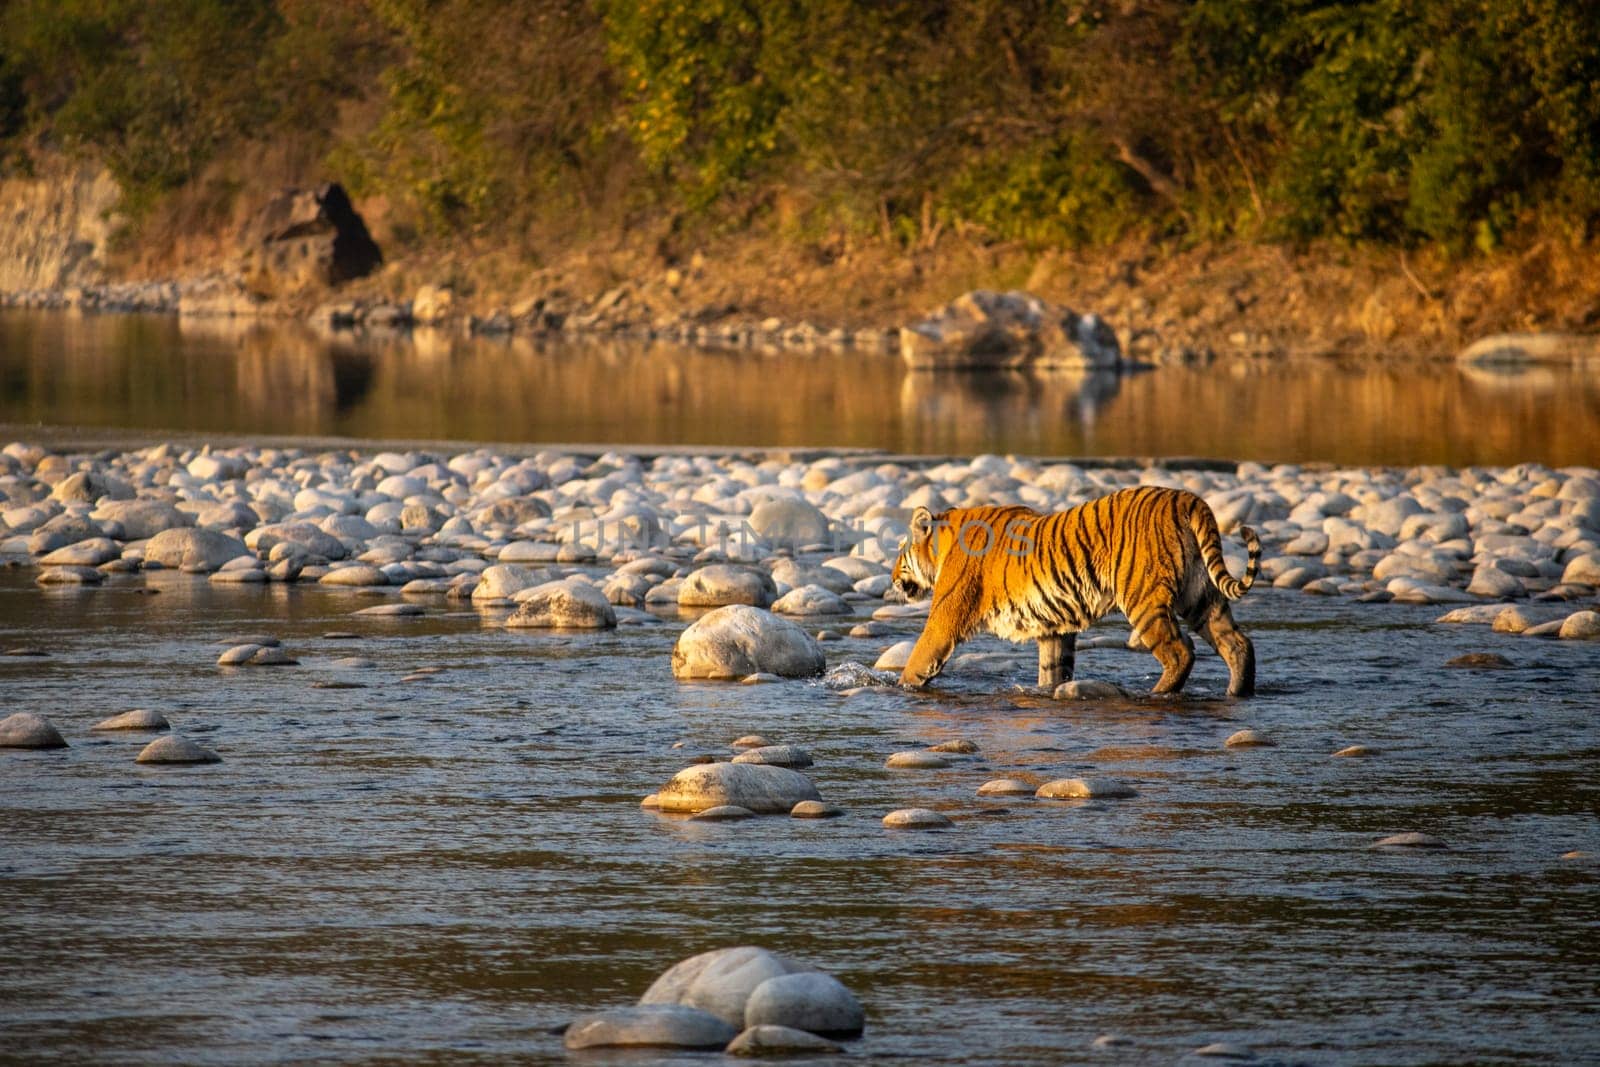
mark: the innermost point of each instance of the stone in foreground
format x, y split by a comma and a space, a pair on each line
650, 1026
27, 730
810, 1001
137, 719
1089, 689
1085, 789
764, 789
175, 748
733, 642
720, 981
768, 1040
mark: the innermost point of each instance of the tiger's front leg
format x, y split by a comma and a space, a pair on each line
1057, 654
940, 635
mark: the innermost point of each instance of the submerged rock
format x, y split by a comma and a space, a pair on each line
776, 756
766, 1040
1006, 787
916, 761
1085, 789
137, 719
809, 1001
27, 730
175, 748
916, 819
761, 788
650, 1026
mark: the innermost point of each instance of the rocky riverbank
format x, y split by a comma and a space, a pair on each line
585, 541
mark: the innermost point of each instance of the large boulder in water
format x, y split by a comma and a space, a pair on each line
722, 583
989, 330
307, 238
563, 605
762, 788
738, 640
720, 981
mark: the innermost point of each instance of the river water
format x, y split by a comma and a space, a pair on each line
245, 380
445, 867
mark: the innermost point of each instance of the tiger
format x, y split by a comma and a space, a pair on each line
1151, 552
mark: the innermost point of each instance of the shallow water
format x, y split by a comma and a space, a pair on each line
443, 870
161, 374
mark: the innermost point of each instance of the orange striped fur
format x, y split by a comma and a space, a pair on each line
1153, 553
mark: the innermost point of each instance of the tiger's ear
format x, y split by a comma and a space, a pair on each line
921, 525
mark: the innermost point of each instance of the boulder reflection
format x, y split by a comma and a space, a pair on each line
1002, 405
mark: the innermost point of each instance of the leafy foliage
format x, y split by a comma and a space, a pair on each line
1046, 121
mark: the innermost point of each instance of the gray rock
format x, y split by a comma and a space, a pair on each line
778, 1041
1006, 787
1411, 840
392, 611
194, 550
67, 575
810, 1001
1085, 789
763, 789
721, 813
792, 756
720, 981
733, 642
89, 553
175, 748
650, 1026
788, 521
27, 730
1355, 751
895, 657
1510, 621
1580, 625
1089, 689
358, 575
137, 719
503, 581
810, 600
815, 809
563, 605
916, 819
959, 746
1248, 739
722, 584
915, 761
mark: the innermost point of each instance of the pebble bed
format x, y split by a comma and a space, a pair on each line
424, 837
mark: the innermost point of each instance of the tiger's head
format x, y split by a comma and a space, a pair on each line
916, 568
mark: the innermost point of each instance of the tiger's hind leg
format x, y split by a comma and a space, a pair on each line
1216, 625
1157, 628
1057, 653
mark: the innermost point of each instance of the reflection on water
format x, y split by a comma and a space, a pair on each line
441, 870
247, 378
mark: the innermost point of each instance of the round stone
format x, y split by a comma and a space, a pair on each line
720, 981
816, 809
649, 1026
563, 605
1005, 787
1085, 789
1088, 689
739, 640
960, 746
27, 730
1248, 739
653, 802
760, 678
916, 819
724, 813
392, 611
776, 756
811, 1001
1580, 625
175, 748
1355, 751
766, 1040
1411, 840
895, 657
763, 789
137, 719
810, 600
722, 584
749, 741
1483, 661
916, 761
357, 575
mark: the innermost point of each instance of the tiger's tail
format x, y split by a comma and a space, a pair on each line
1204, 525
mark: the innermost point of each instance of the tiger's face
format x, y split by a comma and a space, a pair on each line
916, 568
